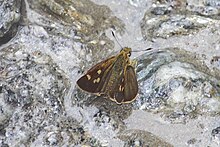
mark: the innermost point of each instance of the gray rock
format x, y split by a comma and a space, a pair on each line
9, 19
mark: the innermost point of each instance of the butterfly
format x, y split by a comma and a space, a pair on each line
114, 77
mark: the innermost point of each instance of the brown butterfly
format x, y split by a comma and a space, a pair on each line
114, 78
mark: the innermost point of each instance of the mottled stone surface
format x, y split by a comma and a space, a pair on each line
174, 18
46, 45
141, 138
9, 19
177, 82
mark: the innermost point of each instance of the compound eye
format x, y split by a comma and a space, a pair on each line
129, 54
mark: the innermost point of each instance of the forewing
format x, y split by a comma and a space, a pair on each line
94, 79
126, 88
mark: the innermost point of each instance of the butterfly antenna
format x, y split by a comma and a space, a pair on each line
113, 34
148, 49
116, 38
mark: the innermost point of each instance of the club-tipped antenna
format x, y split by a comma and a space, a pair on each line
113, 34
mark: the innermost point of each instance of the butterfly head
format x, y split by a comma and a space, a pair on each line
126, 51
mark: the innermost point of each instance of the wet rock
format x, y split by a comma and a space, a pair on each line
59, 40
87, 18
136, 138
165, 26
20, 76
9, 19
68, 131
176, 83
36, 103
216, 135
61, 28
32, 91
34, 77
178, 18
207, 8
110, 114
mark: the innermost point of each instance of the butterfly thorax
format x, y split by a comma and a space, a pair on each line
121, 61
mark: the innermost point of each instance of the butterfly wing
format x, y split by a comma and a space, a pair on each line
131, 85
126, 89
94, 80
